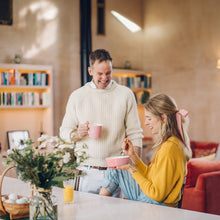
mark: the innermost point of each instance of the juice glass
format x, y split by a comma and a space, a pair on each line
68, 191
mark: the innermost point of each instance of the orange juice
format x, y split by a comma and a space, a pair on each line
68, 193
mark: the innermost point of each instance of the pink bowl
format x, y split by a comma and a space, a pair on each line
113, 162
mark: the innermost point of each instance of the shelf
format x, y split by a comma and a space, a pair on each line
26, 100
133, 79
22, 87
24, 107
140, 89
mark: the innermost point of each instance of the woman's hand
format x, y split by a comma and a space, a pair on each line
127, 167
128, 148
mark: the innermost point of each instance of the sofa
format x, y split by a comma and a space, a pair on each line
202, 188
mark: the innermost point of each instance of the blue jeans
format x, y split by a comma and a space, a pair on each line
120, 178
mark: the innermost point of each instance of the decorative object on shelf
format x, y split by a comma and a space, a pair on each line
127, 64
142, 97
17, 138
17, 59
46, 165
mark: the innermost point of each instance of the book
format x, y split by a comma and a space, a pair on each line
36, 99
43, 78
45, 98
25, 76
1, 78
30, 79
17, 78
4, 78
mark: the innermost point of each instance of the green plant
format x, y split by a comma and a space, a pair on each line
47, 164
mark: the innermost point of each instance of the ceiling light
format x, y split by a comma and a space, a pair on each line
131, 26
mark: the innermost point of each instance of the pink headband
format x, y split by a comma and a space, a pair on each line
181, 113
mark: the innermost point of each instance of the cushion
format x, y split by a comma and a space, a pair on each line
210, 157
201, 149
217, 155
196, 167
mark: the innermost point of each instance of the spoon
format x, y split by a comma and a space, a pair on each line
126, 147
123, 153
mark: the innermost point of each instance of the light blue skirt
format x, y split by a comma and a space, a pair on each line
120, 178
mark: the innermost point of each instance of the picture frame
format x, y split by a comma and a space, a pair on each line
15, 138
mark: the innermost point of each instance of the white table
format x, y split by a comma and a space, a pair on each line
94, 207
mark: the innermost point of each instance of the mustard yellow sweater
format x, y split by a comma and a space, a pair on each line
162, 180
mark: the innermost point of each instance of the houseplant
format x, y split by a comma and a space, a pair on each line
45, 165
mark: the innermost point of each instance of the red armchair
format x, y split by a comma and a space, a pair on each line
202, 188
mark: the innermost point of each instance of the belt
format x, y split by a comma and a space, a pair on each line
98, 168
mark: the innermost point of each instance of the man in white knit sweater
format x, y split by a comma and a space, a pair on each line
105, 102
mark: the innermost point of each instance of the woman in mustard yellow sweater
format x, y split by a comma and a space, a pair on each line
160, 182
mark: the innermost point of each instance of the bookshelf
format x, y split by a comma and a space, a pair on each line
140, 83
26, 100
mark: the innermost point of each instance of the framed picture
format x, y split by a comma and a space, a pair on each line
15, 138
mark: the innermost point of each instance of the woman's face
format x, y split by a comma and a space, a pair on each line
152, 122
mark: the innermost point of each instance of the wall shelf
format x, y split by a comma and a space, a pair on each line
26, 103
140, 83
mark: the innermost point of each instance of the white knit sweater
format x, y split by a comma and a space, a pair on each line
114, 108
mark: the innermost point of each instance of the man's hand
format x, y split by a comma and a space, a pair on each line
82, 130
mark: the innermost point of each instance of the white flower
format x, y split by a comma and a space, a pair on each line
43, 137
66, 157
53, 139
55, 151
9, 152
70, 146
78, 160
43, 145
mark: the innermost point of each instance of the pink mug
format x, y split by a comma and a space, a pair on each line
95, 130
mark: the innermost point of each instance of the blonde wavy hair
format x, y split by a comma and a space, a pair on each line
159, 105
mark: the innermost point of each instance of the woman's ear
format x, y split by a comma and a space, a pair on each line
164, 118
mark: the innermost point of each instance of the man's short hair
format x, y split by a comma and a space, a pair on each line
100, 55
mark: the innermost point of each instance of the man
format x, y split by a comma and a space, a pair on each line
105, 102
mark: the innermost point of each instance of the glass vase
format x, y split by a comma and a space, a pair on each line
43, 205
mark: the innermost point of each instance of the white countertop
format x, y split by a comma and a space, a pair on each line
89, 206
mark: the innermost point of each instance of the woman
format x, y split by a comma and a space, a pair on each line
161, 181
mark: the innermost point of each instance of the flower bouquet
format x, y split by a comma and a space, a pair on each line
44, 165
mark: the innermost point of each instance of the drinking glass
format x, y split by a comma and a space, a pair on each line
68, 191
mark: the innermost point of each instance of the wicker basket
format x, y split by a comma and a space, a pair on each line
15, 211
